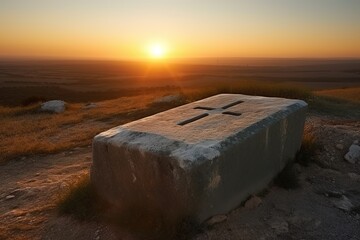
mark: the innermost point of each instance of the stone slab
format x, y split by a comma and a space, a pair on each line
200, 159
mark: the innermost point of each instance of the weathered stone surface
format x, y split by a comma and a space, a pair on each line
201, 159
56, 106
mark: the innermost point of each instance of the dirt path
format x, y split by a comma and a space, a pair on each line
30, 187
319, 209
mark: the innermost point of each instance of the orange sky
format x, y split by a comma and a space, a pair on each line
204, 28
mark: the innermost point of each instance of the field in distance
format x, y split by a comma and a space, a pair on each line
87, 81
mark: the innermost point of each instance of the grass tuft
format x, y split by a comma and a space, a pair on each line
288, 178
308, 148
79, 200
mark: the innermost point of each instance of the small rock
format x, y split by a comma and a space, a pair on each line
37, 174
55, 106
8, 197
356, 142
354, 176
343, 204
339, 146
24, 192
280, 226
97, 234
63, 185
23, 158
68, 153
333, 194
216, 219
353, 155
253, 202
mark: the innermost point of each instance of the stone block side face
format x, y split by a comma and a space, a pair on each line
135, 182
294, 135
247, 167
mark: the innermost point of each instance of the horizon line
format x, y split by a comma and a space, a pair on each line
133, 59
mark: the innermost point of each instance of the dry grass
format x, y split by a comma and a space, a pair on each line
335, 107
79, 200
288, 177
26, 131
349, 94
309, 146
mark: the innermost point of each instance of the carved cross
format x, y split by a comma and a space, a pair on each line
211, 110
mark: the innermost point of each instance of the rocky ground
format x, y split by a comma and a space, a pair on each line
325, 206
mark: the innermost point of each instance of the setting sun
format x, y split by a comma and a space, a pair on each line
157, 50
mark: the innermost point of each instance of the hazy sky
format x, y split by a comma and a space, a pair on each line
188, 28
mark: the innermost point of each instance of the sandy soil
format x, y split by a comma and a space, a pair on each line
29, 188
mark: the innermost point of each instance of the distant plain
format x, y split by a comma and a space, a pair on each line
86, 81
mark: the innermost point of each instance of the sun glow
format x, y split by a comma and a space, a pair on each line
157, 50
